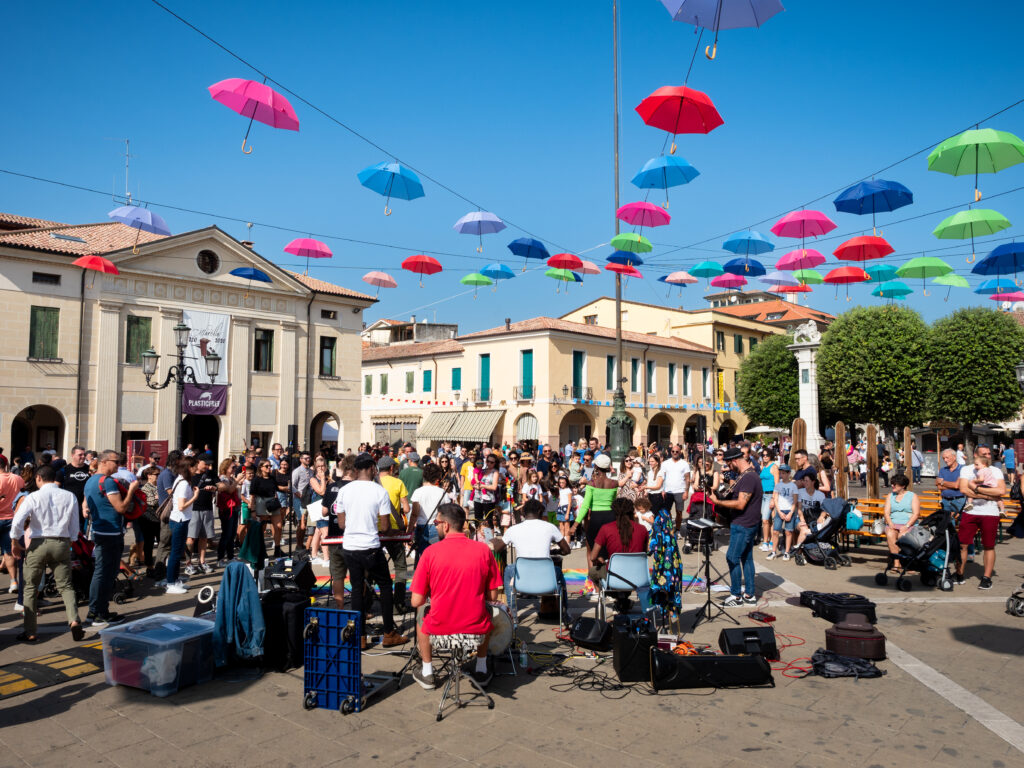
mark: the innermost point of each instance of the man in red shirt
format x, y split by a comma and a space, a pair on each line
460, 576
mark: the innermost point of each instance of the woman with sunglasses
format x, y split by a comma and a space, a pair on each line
485, 489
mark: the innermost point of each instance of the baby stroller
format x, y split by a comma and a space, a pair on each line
821, 546
83, 565
932, 548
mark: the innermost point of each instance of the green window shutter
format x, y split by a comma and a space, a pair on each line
634, 375
137, 338
649, 378
410, 381
578, 360
428, 381
671, 378
456, 379
44, 325
383, 383
485, 376
609, 373
753, 343
737, 344
686, 381
527, 362
367, 384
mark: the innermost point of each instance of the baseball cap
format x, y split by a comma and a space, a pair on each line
604, 461
413, 456
385, 462
785, 468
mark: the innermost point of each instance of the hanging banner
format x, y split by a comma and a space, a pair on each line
209, 334
206, 400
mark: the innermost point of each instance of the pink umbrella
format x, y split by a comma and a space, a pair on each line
802, 258
680, 278
626, 270
588, 268
381, 280
803, 224
729, 280
1011, 296
257, 101
643, 215
308, 247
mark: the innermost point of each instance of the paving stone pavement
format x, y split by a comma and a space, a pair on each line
252, 720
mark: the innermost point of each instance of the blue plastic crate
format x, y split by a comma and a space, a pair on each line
333, 677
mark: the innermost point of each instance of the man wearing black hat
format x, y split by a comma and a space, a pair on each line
743, 505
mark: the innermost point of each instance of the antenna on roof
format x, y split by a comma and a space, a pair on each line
127, 159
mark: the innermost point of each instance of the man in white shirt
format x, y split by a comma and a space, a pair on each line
677, 474
51, 514
363, 509
983, 517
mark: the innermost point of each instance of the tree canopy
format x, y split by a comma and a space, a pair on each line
768, 390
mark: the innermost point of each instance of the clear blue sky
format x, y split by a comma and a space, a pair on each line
511, 105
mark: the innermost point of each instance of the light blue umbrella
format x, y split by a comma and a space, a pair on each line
892, 289
749, 242
479, 223
391, 180
497, 272
663, 172
142, 219
780, 278
881, 272
996, 285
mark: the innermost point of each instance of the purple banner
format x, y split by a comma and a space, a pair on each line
205, 400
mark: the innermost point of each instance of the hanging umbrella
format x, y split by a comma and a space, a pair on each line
251, 273
310, 248
679, 278
875, 196
879, 273
563, 275
664, 172
748, 243
863, 248
729, 280
479, 223
391, 180
565, 261
972, 223
677, 109
996, 285
808, 276
623, 269
746, 267
257, 101
589, 268
803, 258
953, 280
793, 289
476, 279
625, 257
923, 267
707, 269
96, 263
643, 215
717, 15
1011, 296
778, 278
977, 151
845, 276
142, 219
528, 248
498, 272
631, 242
892, 289
803, 224
422, 265
1004, 259
380, 280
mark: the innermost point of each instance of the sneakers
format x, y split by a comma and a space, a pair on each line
177, 588
190, 570
771, 556
162, 583
959, 580
102, 622
392, 638
425, 681
19, 608
750, 599
986, 583
206, 567
732, 601
765, 546
13, 588
785, 555
483, 679
222, 563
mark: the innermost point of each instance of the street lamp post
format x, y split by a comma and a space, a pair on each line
179, 373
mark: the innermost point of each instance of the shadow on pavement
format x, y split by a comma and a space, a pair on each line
992, 638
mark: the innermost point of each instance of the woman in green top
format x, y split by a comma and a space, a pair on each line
596, 509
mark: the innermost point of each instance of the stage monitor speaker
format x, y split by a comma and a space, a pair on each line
593, 634
294, 573
670, 671
749, 640
631, 655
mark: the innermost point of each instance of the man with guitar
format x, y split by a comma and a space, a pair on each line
742, 505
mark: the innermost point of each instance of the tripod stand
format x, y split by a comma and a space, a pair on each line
710, 610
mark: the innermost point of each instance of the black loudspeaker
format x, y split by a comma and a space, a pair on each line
748, 641
631, 655
670, 671
294, 573
293, 436
590, 633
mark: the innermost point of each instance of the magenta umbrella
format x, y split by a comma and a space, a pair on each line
729, 280
257, 101
308, 247
1012, 296
643, 215
802, 258
803, 224
381, 280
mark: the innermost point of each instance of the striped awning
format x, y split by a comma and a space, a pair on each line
527, 427
438, 426
475, 426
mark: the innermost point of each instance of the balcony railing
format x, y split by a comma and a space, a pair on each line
525, 392
481, 395
578, 393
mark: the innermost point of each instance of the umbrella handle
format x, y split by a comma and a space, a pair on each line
710, 51
972, 258
249, 150
672, 149
977, 195
479, 249
387, 210
924, 291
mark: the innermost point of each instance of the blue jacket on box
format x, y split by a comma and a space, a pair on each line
238, 629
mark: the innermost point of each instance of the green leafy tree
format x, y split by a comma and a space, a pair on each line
872, 367
971, 357
768, 390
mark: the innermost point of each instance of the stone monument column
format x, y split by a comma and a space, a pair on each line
805, 345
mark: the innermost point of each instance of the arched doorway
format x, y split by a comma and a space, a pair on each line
726, 432
202, 432
574, 425
325, 434
659, 429
36, 429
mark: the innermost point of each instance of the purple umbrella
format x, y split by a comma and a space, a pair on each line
722, 14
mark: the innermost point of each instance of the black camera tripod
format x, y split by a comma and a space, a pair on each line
710, 610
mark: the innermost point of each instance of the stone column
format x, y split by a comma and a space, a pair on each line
166, 411
805, 345
236, 420
288, 377
106, 430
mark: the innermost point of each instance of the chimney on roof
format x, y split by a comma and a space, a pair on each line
248, 244
412, 319
508, 323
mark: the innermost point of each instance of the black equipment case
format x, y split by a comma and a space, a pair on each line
835, 606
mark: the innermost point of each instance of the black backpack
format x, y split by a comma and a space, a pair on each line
830, 664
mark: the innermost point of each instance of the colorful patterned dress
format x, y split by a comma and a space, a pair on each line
666, 565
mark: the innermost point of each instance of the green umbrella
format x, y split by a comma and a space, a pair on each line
953, 280
972, 223
476, 279
809, 277
977, 151
924, 266
632, 242
564, 275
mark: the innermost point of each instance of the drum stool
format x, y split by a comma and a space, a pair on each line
453, 651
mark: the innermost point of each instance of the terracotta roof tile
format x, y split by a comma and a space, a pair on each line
10, 221
104, 237
416, 349
760, 310
321, 286
566, 326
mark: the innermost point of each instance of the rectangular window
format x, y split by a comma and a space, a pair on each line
609, 373
328, 347
720, 341
45, 278
686, 381
456, 379
367, 384
737, 344
526, 376
485, 378
44, 323
634, 374
328, 314
428, 381
263, 351
410, 381
383, 383
649, 378
137, 338
579, 360
671, 378
704, 375
753, 343
590, 319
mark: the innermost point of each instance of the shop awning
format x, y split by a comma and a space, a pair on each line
438, 426
475, 426
527, 427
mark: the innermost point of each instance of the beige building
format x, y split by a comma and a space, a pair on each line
70, 354
543, 379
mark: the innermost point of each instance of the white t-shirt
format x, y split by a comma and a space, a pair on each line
532, 538
637, 475
806, 499
786, 493
533, 491
986, 508
677, 472
182, 490
430, 498
363, 504
652, 478
565, 497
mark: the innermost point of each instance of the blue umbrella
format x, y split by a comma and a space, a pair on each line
875, 196
892, 289
722, 14
529, 248
497, 272
391, 180
479, 223
996, 285
664, 172
880, 273
625, 257
744, 267
1004, 259
748, 243
141, 219
251, 273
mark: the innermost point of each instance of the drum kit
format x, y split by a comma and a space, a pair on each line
502, 632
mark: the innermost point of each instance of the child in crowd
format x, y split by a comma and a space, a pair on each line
786, 514
644, 514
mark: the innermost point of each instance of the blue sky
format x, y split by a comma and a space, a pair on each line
510, 104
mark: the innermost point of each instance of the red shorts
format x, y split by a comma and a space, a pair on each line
971, 524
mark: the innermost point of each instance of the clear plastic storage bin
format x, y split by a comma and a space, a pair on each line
159, 654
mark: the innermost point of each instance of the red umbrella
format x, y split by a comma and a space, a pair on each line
96, 262
565, 261
422, 265
257, 101
802, 288
626, 270
678, 109
845, 276
863, 248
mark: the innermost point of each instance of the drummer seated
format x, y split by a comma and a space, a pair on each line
459, 576
534, 537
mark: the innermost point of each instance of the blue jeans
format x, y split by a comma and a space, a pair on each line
179, 532
740, 557
916, 473
421, 540
107, 554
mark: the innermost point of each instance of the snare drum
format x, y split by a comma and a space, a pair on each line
502, 630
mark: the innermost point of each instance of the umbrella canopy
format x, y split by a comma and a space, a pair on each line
717, 15
643, 215
678, 109
257, 101
1011, 296
391, 180
802, 258
808, 277
476, 279
780, 278
996, 285
478, 223
1004, 259
803, 224
875, 196
729, 280
845, 275
589, 268
983, 150
976, 222
623, 269
631, 242
380, 280
863, 248
892, 289
528, 248
97, 263
746, 267
308, 247
565, 261
748, 243
793, 288
664, 172
924, 266
707, 269
680, 278
562, 275
953, 280
422, 265
625, 257
140, 218
498, 271
881, 272
250, 273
